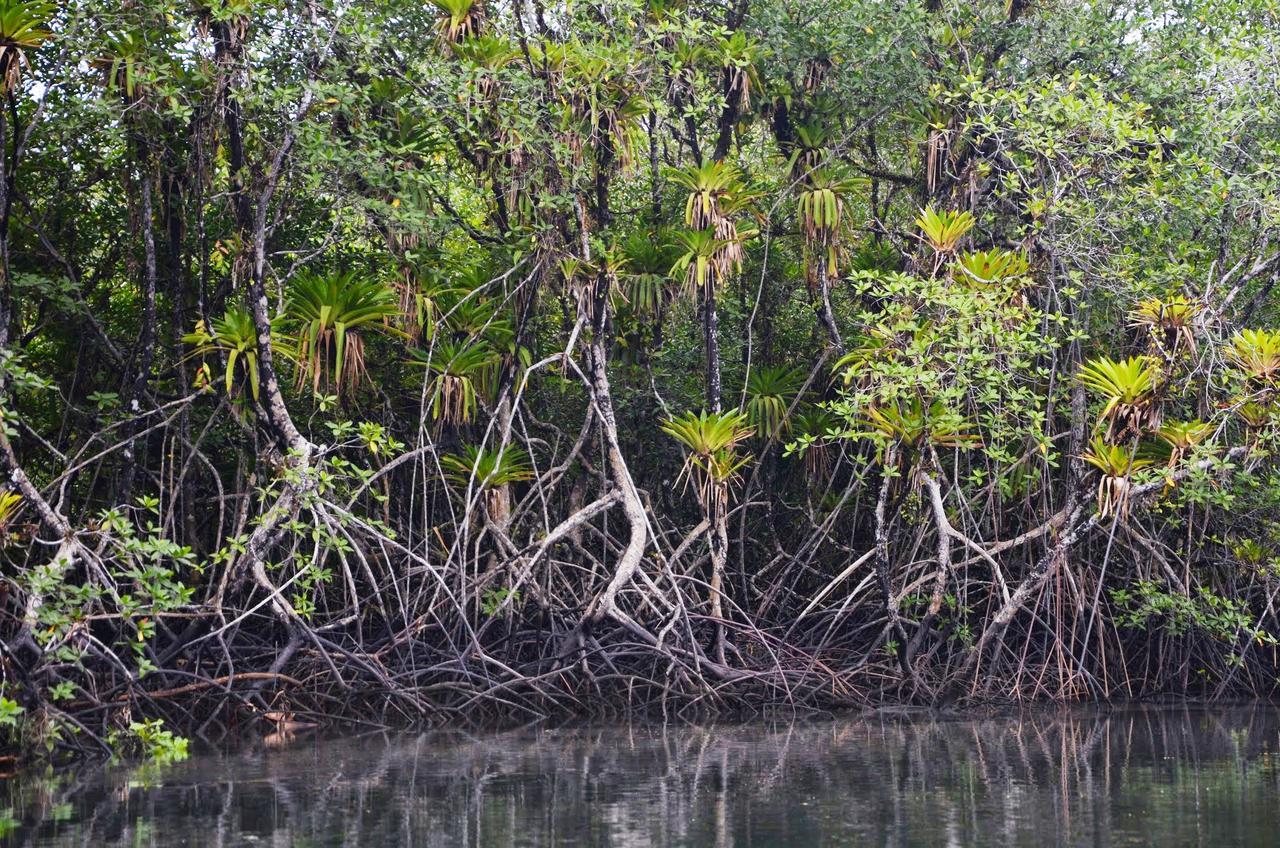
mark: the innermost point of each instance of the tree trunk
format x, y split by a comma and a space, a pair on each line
711, 346
825, 312
638, 537
252, 225
136, 385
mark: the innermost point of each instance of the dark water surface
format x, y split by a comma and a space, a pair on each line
1150, 776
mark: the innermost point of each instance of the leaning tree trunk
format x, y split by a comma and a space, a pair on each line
251, 213
825, 313
251, 216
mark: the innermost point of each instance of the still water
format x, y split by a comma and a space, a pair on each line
1136, 776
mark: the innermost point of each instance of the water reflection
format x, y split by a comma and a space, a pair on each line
1133, 777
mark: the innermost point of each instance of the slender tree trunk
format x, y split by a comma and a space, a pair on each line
825, 312
136, 386
718, 539
251, 221
718, 519
655, 172
884, 575
180, 306
711, 347
6, 206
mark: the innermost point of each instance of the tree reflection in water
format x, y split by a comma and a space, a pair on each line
1137, 776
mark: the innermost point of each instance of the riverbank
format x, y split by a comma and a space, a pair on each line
402, 686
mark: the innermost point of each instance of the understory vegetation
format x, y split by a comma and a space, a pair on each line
382, 363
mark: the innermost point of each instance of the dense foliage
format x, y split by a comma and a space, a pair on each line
480, 359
